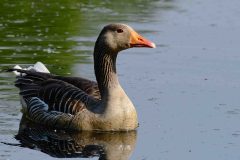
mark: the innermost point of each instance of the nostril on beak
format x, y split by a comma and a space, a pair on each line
140, 39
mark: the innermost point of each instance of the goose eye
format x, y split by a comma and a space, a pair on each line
119, 30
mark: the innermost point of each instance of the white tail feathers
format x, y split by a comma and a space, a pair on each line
39, 67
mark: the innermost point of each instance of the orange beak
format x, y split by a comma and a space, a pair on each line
137, 40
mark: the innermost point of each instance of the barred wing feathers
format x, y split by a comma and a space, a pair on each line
88, 86
63, 94
37, 112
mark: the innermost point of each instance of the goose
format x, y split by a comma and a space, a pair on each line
75, 103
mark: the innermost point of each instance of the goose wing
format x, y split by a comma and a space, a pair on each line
27, 76
88, 86
67, 95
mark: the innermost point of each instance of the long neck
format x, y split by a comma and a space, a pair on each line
115, 106
105, 70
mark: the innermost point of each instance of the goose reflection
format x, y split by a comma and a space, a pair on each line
85, 144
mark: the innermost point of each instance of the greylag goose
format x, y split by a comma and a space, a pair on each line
74, 103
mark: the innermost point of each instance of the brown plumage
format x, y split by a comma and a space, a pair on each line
76, 103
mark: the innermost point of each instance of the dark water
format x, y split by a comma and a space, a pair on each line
186, 91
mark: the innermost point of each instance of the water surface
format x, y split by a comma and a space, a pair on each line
186, 91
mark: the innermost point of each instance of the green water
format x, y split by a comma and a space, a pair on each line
60, 33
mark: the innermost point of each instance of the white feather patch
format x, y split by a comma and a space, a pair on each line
39, 67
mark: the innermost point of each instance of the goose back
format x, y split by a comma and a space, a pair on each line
64, 94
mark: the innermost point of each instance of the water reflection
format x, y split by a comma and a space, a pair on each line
105, 145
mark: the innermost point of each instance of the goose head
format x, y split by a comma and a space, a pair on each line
117, 37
